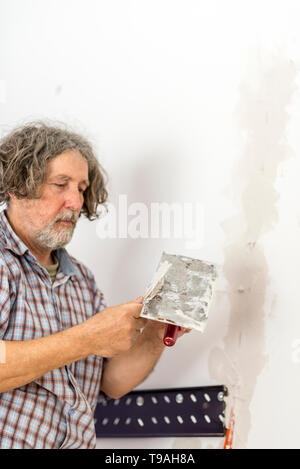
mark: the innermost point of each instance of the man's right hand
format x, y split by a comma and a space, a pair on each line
108, 333
115, 329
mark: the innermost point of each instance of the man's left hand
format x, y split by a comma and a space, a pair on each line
154, 331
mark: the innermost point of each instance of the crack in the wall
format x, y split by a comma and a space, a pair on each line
262, 117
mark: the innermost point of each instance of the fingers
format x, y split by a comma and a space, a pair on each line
141, 322
135, 311
139, 300
136, 308
184, 330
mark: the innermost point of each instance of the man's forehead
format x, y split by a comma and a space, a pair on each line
69, 165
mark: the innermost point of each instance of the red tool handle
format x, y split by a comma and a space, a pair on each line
171, 333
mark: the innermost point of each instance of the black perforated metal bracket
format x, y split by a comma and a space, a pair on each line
192, 411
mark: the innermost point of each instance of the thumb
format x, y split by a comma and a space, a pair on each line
139, 300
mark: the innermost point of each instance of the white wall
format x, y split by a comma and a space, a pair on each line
185, 101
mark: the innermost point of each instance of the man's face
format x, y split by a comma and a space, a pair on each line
49, 222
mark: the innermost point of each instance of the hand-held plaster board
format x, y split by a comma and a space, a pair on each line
180, 292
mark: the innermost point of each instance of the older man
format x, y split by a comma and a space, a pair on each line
55, 328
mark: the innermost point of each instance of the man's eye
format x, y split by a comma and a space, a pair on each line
82, 191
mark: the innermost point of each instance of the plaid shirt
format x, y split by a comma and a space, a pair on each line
57, 409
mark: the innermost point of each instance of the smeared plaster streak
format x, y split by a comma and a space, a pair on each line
157, 281
262, 116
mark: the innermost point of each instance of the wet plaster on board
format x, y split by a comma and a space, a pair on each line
180, 292
262, 117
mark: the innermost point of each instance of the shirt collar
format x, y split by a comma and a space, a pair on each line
10, 238
12, 241
65, 262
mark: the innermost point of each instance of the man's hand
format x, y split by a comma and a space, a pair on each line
115, 329
154, 331
128, 369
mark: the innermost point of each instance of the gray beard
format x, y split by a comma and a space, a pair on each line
54, 239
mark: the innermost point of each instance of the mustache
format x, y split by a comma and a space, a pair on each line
67, 216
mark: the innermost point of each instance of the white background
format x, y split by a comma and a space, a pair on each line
185, 101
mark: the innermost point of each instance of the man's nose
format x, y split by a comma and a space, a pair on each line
74, 200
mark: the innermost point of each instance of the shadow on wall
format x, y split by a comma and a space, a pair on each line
262, 117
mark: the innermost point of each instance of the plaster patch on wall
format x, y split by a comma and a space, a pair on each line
262, 117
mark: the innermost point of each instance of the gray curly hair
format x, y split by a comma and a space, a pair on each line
25, 153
